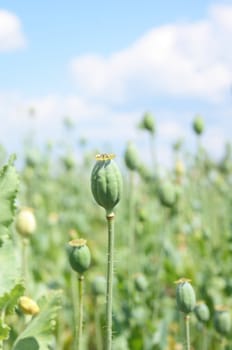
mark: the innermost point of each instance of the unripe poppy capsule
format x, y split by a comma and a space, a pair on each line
201, 311
148, 123
198, 125
131, 157
185, 296
99, 285
168, 194
222, 320
79, 255
106, 182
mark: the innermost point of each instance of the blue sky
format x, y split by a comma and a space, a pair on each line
105, 63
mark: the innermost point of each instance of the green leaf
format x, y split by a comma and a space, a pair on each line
4, 330
9, 300
9, 184
11, 271
38, 333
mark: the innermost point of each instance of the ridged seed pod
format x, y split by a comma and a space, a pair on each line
106, 182
25, 222
148, 123
28, 306
201, 311
131, 157
185, 296
222, 321
79, 255
198, 125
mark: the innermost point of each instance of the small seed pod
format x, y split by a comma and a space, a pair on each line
28, 306
185, 296
222, 320
148, 123
131, 157
25, 222
179, 168
99, 285
168, 194
201, 311
198, 125
106, 182
79, 255
140, 282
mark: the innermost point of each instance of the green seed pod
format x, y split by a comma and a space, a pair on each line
140, 282
201, 311
198, 125
25, 222
222, 320
99, 285
185, 296
79, 255
148, 123
131, 157
106, 182
168, 194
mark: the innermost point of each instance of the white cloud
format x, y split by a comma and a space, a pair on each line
181, 60
11, 34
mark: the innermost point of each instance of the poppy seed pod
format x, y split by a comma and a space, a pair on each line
222, 320
201, 311
168, 194
185, 296
131, 157
140, 282
106, 182
198, 125
99, 285
25, 222
79, 255
148, 123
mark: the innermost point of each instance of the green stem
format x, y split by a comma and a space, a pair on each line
98, 333
109, 290
187, 332
24, 250
80, 313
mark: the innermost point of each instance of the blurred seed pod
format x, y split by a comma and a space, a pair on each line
179, 168
99, 285
140, 282
167, 194
131, 157
198, 125
201, 311
148, 123
79, 255
28, 306
222, 320
26, 222
185, 296
106, 182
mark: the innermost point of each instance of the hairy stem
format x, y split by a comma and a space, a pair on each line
80, 313
109, 290
187, 332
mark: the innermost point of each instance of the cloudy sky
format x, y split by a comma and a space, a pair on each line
105, 63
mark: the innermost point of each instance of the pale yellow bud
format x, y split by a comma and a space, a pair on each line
25, 222
28, 306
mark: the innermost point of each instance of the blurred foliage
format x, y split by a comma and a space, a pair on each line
162, 234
